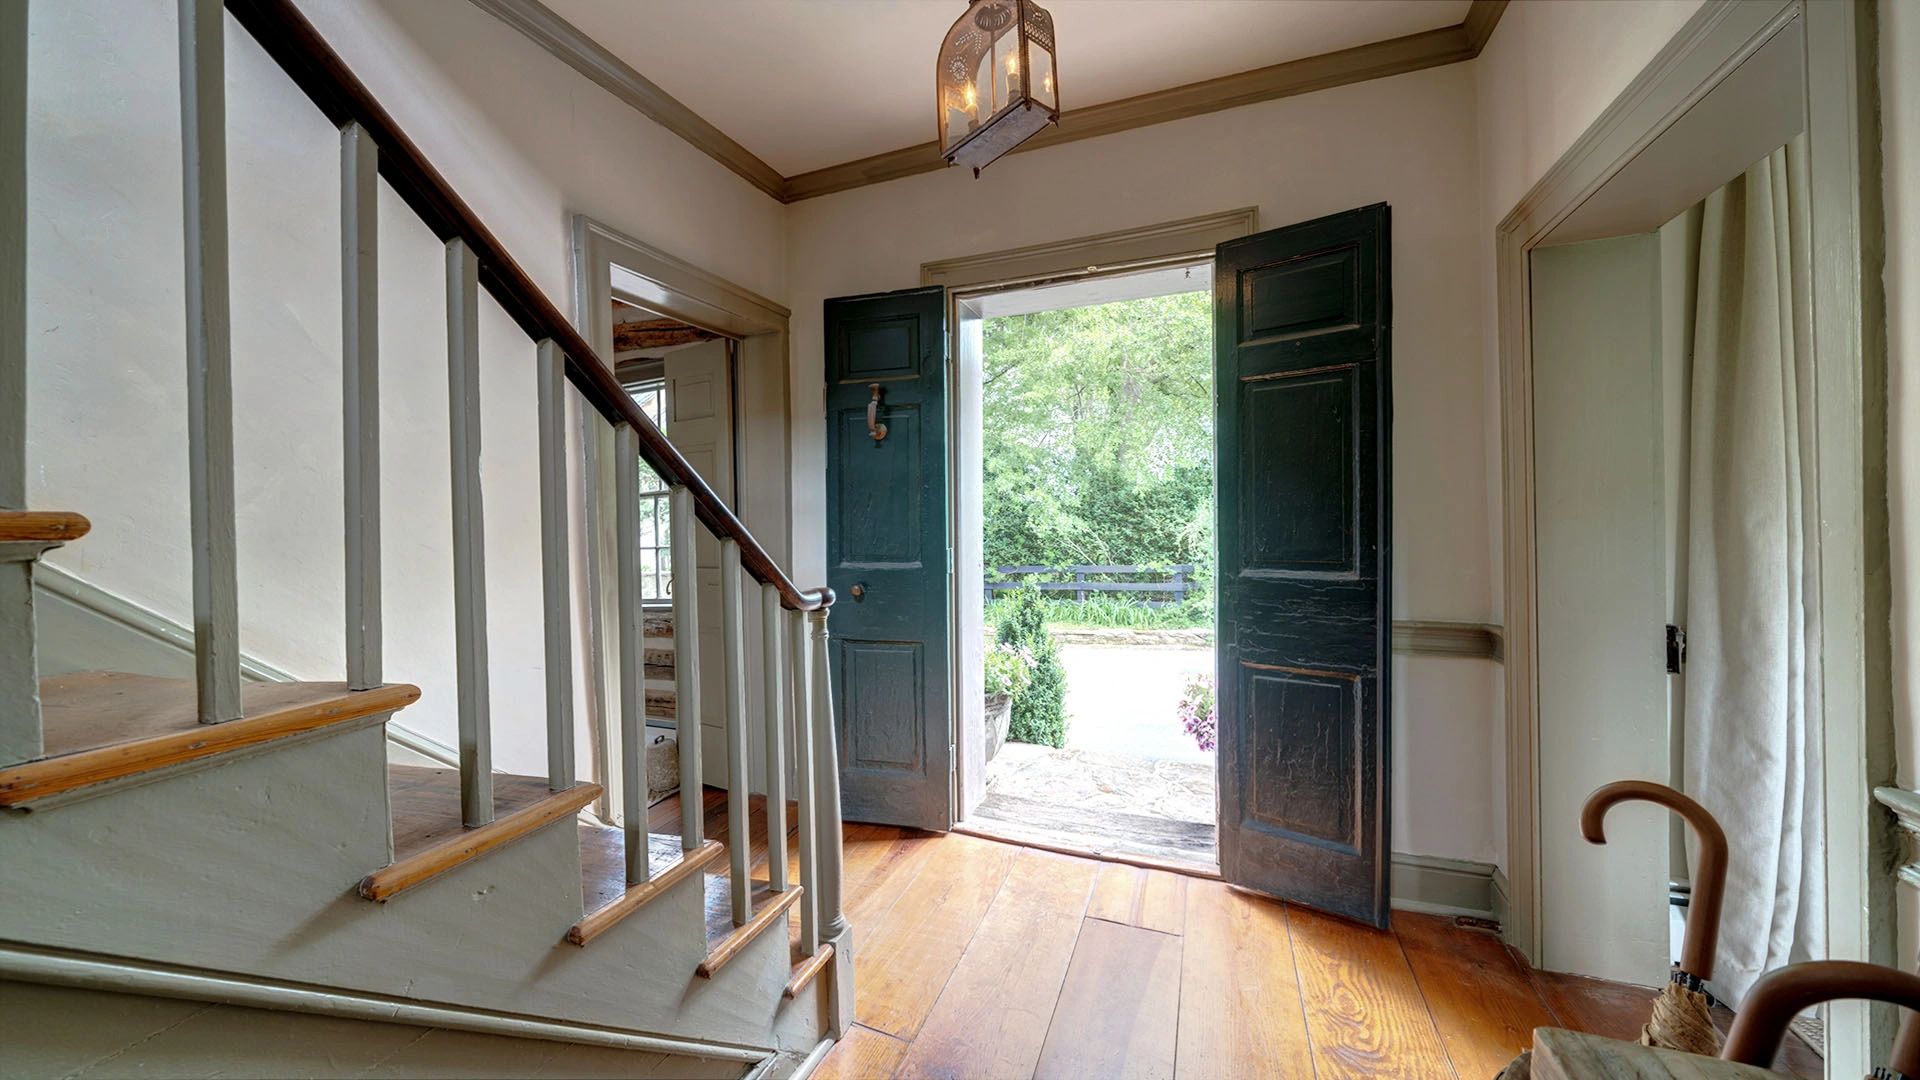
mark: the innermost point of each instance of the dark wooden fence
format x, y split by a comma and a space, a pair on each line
1170, 584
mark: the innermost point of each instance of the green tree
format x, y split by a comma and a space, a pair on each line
1099, 434
1040, 711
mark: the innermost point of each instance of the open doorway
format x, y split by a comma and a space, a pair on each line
1086, 541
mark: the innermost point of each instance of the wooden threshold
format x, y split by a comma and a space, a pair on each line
633, 899
805, 970
771, 910
428, 838
1144, 862
107, 725
42, 526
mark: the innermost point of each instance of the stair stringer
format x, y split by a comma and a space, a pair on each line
250, 867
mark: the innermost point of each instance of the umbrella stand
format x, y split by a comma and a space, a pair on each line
1784, 993
1682, 1016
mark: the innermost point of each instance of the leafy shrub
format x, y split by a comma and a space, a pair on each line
1197, 713
1112, 612
1039, 711
1009, 670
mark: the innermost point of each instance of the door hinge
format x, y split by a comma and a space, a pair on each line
1676, 649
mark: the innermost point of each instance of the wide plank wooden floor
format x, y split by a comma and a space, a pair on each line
985, 960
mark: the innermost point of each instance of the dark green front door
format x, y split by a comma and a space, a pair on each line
1302, 339
887, 556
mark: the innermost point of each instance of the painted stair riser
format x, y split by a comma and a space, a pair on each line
251, 867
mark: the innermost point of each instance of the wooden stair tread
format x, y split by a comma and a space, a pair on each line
428, 835
662, 704
725, 940
608, 898
657, 624
805, 969
603, 860
105, 725
50, 527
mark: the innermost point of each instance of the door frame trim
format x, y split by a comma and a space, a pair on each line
759, 331
1840, 78
967, 279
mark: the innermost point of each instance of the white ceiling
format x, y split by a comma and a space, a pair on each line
805, 84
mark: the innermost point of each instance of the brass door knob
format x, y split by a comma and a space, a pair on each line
858, 591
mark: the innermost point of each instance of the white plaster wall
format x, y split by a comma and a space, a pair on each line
1408, 141
1547, 73
527, 142
1900, 147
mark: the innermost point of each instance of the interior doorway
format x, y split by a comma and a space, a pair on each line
1086, 549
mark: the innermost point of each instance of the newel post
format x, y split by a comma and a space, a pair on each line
826, 782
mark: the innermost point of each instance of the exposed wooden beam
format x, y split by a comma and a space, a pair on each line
656, 334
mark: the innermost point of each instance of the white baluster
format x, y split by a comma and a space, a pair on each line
551, 402
19, 674
631, 627
469, 536
203, 118
799, 663
13, 256
773, 687
360, 385
686, 669
734, 667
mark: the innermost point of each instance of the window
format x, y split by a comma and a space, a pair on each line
655, 537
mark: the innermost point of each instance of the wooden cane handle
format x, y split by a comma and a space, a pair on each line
1783, 993
1709, 872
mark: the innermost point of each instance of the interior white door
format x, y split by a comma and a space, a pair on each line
700, 425
1602, 566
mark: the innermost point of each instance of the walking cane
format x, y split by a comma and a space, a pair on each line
1783, 993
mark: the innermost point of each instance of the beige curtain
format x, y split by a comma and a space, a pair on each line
1752, 673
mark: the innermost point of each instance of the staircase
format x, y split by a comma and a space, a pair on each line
251, 844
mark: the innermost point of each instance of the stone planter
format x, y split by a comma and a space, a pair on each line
999, 712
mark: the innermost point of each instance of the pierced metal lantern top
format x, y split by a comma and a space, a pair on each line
995, 80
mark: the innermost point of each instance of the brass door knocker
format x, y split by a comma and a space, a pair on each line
874, 427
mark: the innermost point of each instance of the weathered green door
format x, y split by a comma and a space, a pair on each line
1302, 333
887, 555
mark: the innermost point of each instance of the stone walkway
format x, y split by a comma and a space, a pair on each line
1104, 804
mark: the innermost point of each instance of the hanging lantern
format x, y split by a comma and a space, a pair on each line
996, 81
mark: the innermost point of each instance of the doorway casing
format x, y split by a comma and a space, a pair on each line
610, 265
1836, 80
969, 282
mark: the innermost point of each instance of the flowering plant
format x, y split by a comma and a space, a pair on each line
1196, 711
1009, 669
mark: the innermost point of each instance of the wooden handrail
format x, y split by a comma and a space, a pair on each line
293, 43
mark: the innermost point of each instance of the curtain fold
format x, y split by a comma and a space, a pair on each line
1752, 679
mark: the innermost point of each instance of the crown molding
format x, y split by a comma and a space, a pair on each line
587, 56
1481, 18
1380, 59
1395, 56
